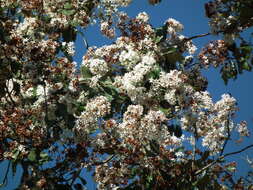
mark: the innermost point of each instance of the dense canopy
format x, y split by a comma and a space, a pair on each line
136, 113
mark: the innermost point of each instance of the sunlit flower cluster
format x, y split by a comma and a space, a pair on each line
96, 108
173, 26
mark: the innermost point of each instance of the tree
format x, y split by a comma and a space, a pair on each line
136, 114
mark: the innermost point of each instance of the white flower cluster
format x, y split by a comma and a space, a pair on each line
129, 57
97, 66
187, 46
130, 82
142, 122
117, 3
209, 120
143, 17
145, 128
172, 86
114, 177
242, 129
96, 108
107, 30
173, 26
220, 23
27, 27
174, 79
70, 47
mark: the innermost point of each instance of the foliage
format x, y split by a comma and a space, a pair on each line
136, 114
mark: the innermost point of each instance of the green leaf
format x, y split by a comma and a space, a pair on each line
246, 66
85, 72
43, 155
171, 50
246, 49
68, 6
68, 12
149, 178
158, 39
74, 23
166, 111
231, 168
154, 146
15, 154
134, 171
32, 155
110, 91
155, 73
161, 33
180, 149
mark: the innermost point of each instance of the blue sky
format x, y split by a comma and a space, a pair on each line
191, 14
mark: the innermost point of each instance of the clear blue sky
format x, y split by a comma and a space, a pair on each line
191, 14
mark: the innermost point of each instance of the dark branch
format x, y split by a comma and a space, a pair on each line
222, 157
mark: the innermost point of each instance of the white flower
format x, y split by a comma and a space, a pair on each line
129, 58
143, 16
203, 100
170, 97
95, 108
70, 48
27, 26
173, 26
98, 66
99, 106
242, 129
104, 26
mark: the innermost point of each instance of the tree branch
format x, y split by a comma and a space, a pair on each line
76, 175
197, 36
104, 162
222, 157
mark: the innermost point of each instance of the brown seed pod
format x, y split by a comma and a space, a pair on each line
154, 2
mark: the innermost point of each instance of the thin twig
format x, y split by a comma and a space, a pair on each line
9, 95
46, 104
197, 36
195, 145
6, 173
222, 157
190, 38
104, 162
77, 174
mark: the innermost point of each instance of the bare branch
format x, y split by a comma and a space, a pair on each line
197, 36
222, 157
